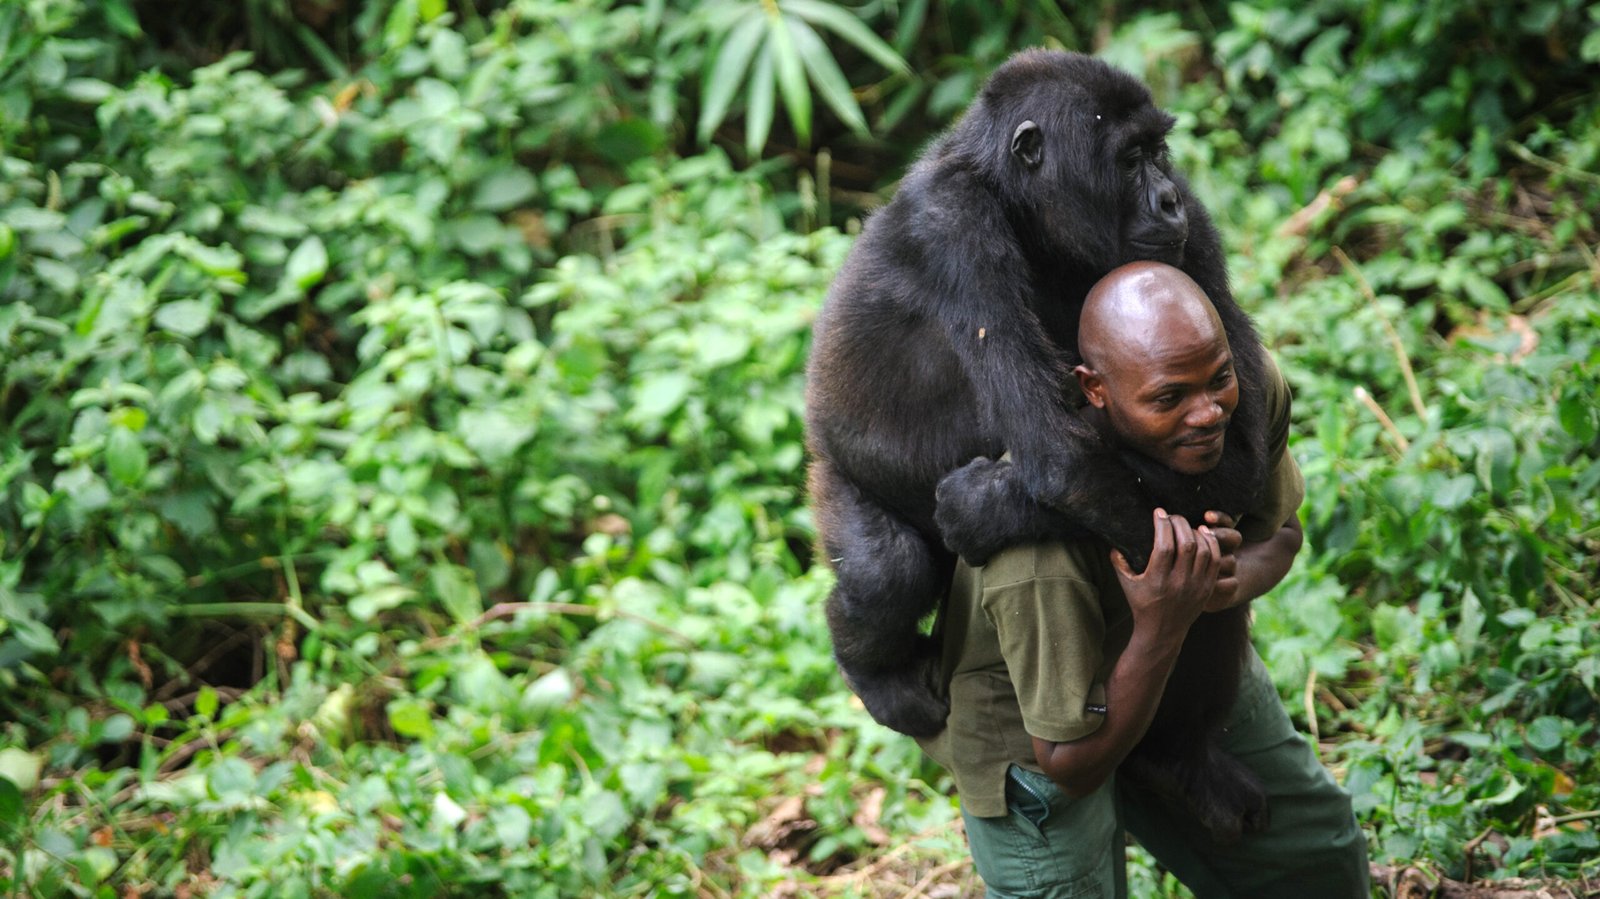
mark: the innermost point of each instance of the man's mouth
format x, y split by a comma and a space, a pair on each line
1206, 441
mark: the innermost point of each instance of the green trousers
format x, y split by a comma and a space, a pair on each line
1056, 847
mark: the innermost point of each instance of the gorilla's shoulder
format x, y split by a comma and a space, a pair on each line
941, 200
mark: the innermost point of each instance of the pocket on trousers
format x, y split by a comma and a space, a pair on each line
1028, 797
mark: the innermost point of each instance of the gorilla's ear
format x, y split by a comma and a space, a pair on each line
1027, 144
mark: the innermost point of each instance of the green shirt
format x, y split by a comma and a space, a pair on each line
1030, 638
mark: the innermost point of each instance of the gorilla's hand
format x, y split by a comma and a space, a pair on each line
967, 501
983, 507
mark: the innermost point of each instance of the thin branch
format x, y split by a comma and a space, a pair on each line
1394, 336
1550, 165
1366, 399
245, 610
1311, 705
507, 609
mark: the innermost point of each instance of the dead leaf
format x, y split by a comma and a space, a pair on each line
866, 818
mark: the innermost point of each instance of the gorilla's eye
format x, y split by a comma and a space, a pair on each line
1132, 159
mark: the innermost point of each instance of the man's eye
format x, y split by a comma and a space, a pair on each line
1222, 378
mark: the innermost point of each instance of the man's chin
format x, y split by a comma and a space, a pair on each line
1193, 460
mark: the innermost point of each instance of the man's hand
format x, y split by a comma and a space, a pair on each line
1226, 591
1250, 569
1178, 582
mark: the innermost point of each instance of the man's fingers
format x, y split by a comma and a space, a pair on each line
1183, 540
1220, 519
1222, 595
1206, 556
1228, 539
1120, 563
1161, 552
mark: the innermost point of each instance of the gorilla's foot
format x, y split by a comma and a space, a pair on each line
1228, 798
908, 699
1223, 795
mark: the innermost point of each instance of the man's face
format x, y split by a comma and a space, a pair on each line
1172, 400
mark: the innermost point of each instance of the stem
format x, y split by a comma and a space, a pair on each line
245, 610
1549, 165
1575, 816
1366, 399
1394, 336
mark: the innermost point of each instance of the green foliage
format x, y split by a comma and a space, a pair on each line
779, 43
401, 468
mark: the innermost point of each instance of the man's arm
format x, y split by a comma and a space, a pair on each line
1164, 601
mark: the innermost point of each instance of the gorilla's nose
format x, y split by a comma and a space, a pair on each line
1167, 205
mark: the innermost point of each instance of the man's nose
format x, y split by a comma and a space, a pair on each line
1206, 413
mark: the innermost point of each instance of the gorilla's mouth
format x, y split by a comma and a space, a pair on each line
1170, 252
1158, 247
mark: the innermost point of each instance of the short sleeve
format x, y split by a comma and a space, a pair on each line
1285, 487
1051, 631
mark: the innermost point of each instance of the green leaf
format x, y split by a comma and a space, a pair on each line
126, 459
1545, 734
12, 808
231, 780
505, 189
97, 863
401, 25
186, 317
493, 434
760, 103
117, 728
846, 25
20, 768
1455, 492
791, 78
1577, 415
1496, 459
659, 395
308, 264
401, 535
205, 703
411, 718
512, 826
548, 693
725, 76
378, 599
630, 139
458, 591
826, 75
121, 17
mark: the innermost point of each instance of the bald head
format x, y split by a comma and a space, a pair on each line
1133, 314
1157, 365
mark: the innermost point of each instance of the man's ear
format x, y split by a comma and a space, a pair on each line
1092, 385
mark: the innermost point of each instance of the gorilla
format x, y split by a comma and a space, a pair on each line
947, 340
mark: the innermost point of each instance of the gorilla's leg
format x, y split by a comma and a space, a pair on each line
888, 579
1180, 756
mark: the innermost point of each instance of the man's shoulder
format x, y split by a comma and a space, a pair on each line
1078, 560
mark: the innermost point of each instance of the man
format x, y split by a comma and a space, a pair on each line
1056, 655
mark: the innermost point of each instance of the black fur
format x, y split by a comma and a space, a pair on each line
948, 337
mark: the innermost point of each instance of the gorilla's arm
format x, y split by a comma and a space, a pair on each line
1064, 478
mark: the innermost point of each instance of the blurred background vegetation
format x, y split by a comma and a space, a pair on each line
401, 482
